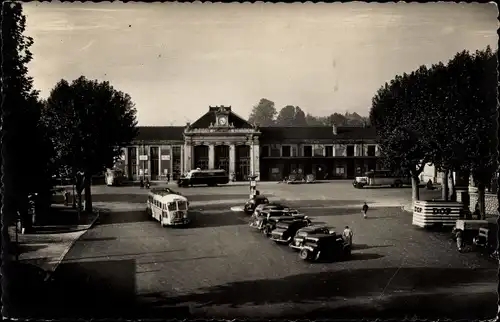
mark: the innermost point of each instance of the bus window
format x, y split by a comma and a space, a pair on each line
182, 205
172, 206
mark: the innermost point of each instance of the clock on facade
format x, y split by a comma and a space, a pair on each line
222, 120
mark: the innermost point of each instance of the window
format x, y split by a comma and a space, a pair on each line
286, 151
339, 170
371, 151
172, 206
132, 164
350, 150
182, 205
294, 151
328, 151
308, 151
264, 152
318, 151
275, 151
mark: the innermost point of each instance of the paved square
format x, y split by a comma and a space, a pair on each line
221, 267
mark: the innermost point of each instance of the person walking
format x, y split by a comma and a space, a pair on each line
347, 236
365, 209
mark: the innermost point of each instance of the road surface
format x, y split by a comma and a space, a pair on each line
128, 265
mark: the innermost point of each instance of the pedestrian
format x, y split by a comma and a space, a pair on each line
347, 236
365, 210
459, 237
168, 178
477, 211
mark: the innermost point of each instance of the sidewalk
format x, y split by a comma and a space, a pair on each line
47, 245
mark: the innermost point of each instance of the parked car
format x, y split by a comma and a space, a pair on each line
285, 230
312, 230
272, 221
269, 206
252, 203
324, 246
259, 220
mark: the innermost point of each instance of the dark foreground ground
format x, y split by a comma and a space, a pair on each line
128, 266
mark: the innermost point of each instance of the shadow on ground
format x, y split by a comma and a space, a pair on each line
428, 293
201, 219
123, 217
84, 290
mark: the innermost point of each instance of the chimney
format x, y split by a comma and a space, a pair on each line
334, 129
188, 124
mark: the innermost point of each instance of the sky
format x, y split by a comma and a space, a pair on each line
175, 60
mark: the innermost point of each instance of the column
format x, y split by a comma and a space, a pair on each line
171, 162
183, 153
252, 164
187, 162
232, 159
356, 150
138, 151
256, 162
211, 156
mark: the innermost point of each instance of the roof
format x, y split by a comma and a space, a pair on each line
160, 133
209, 118
277, 133
170, 198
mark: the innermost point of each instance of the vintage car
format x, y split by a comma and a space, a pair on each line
259, 220
324, 246
269, 206
269, 223
309, 231
252, 203
285, 230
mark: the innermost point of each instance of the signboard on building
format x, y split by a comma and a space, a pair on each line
165, 157
143, 157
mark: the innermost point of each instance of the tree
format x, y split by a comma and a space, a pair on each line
291, 116
19, 105
398, 114
263, 114
483, 155
90, 123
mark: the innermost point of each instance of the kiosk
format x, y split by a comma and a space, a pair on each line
436, 213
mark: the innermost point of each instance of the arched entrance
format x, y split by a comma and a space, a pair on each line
242, 162
222, 157
201, 157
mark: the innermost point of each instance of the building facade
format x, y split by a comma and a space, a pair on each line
220, 139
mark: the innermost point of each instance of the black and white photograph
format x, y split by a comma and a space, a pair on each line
249, 160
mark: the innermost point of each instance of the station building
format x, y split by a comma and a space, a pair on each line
220, 139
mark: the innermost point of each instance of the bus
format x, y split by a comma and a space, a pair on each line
114, 177
167, 207
203, 177
380, 178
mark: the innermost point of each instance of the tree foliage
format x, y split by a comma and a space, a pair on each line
90, 122
21, 166
445, 115
291, 116
264, 113
398, 114
338, 119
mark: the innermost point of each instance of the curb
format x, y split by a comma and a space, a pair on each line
65, 252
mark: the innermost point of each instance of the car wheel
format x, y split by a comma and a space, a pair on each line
304, 254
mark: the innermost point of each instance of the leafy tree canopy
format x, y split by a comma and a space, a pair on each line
90, 122
291, 116
264, 113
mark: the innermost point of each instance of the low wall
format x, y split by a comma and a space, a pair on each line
491, 203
